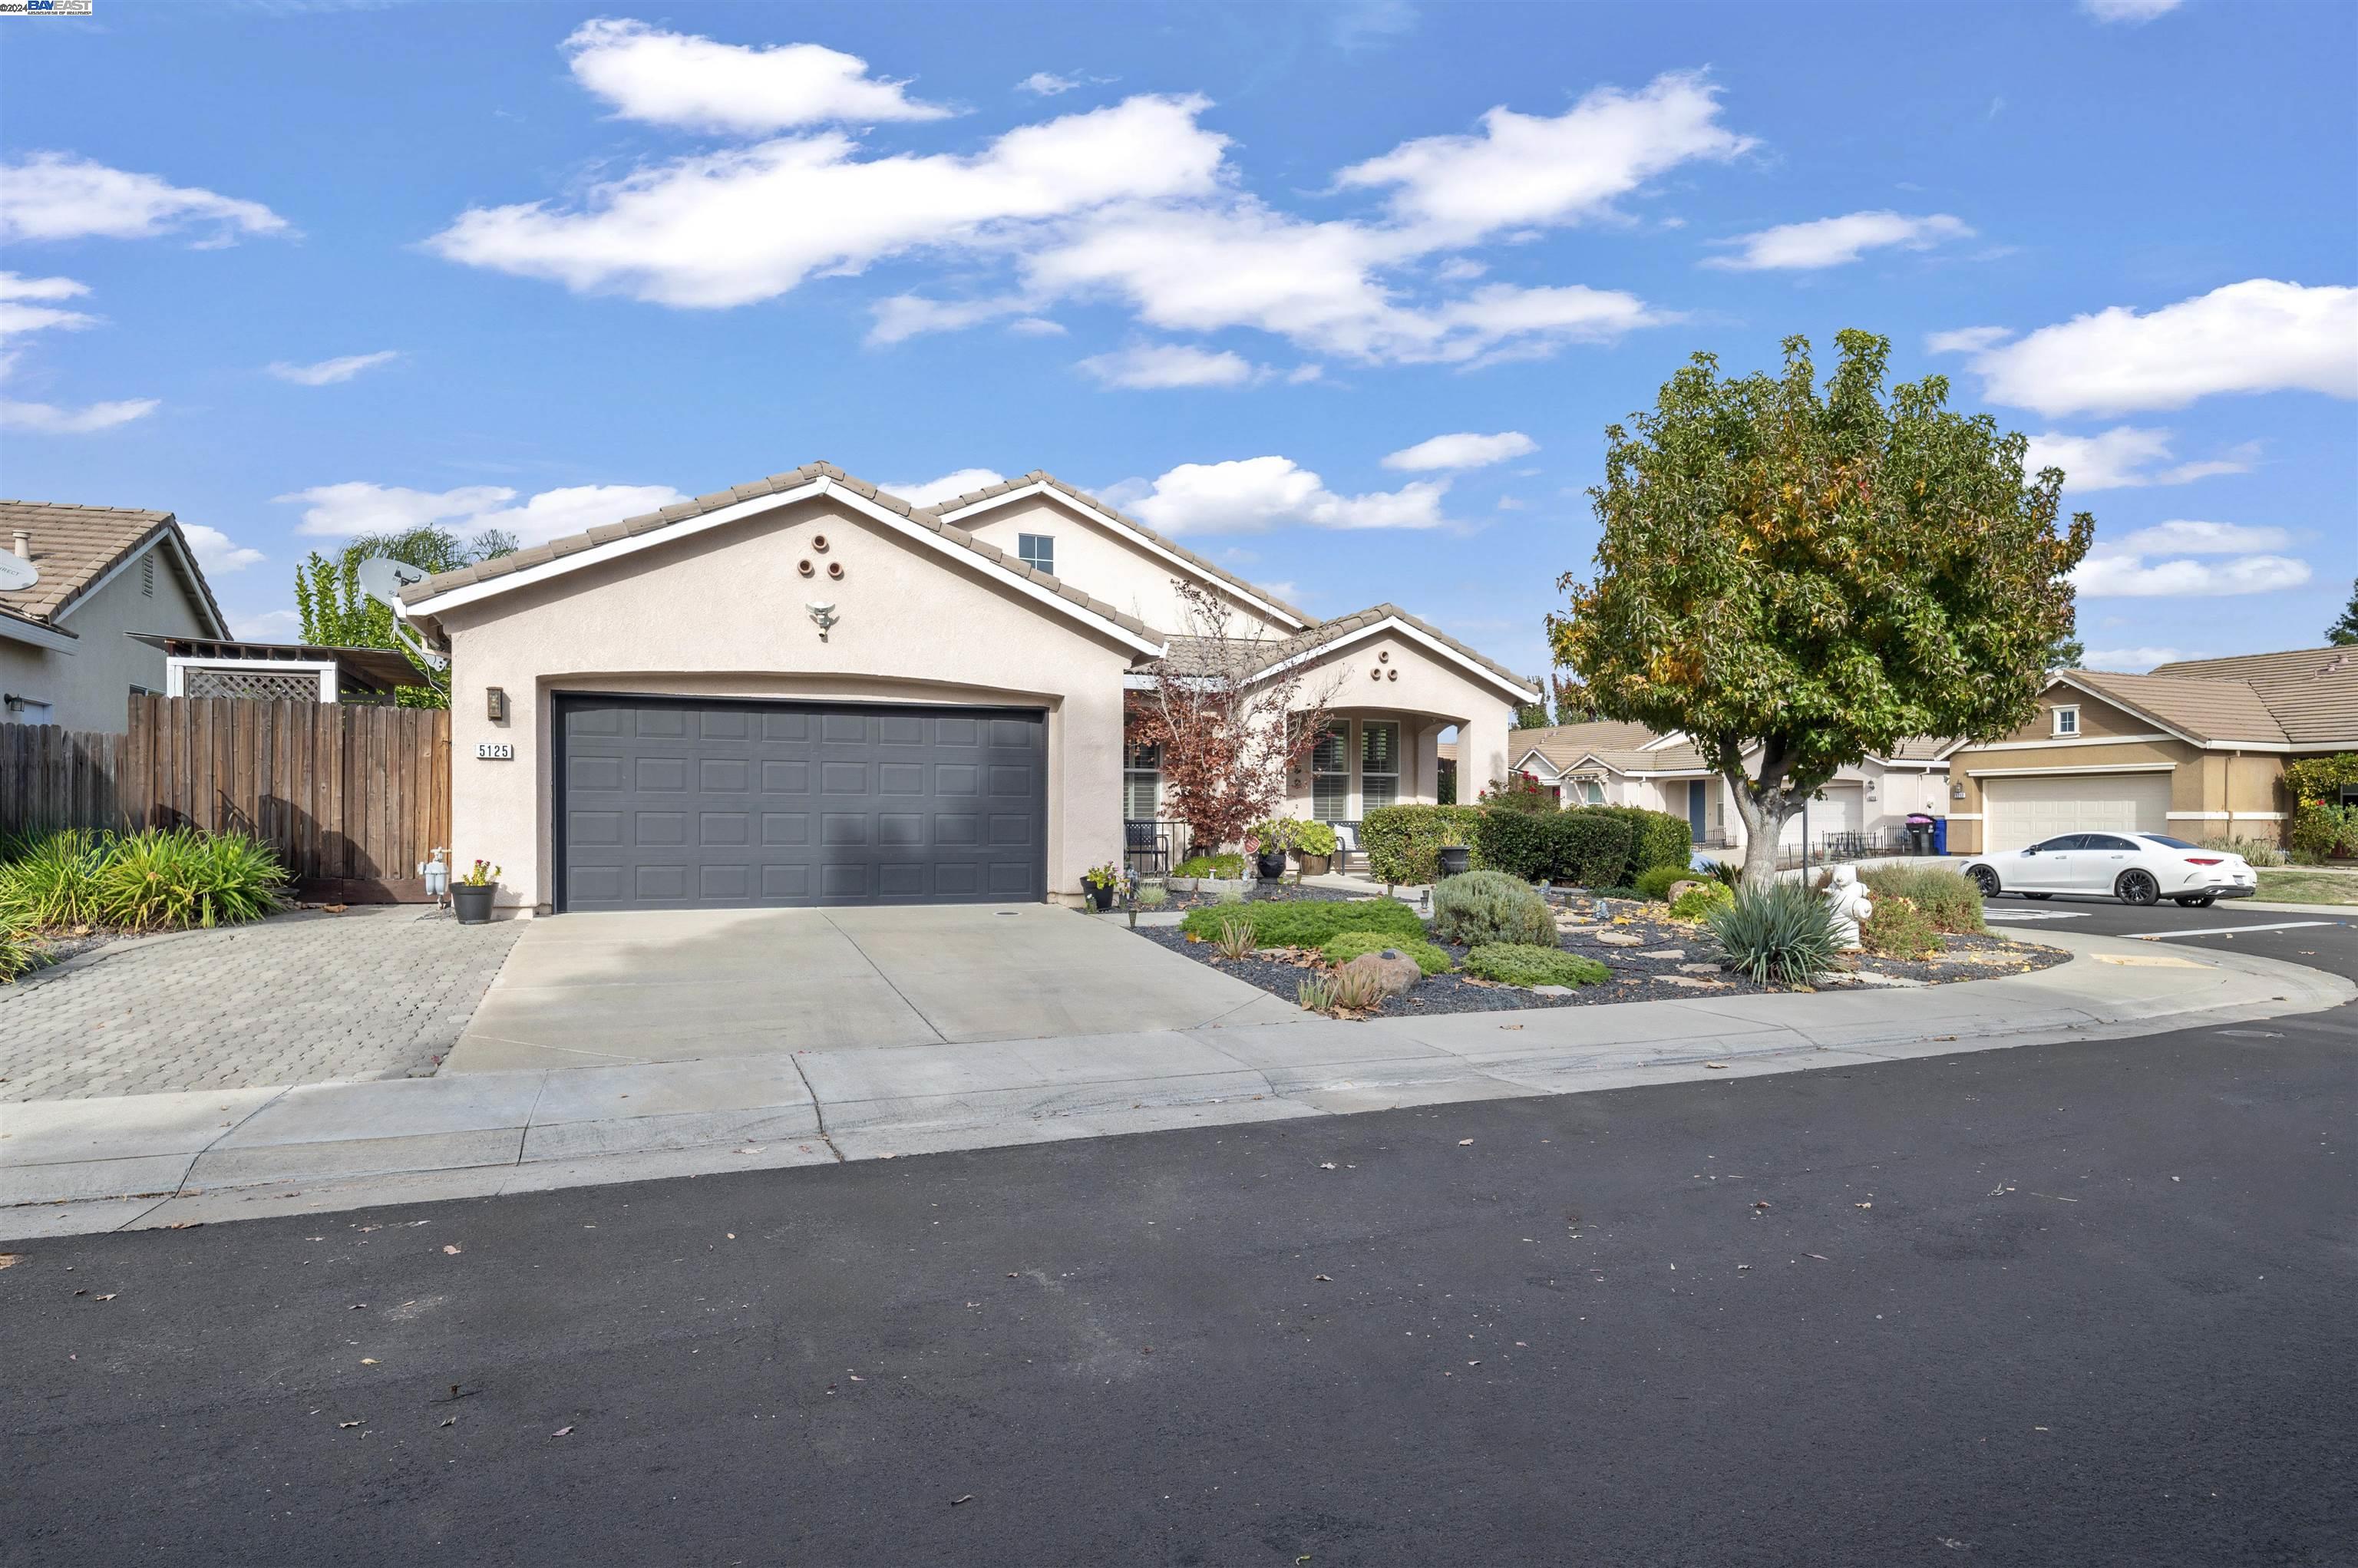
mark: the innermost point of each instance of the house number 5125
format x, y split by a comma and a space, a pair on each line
496, 751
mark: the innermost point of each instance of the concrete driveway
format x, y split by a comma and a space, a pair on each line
598, 989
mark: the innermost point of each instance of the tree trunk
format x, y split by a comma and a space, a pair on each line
1763, 819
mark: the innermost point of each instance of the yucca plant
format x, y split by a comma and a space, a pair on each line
1782, 934
50, 883
1235, 938
1315, 994
171, 879
1357, 990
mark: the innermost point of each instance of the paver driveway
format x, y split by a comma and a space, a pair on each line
298, 998
596, 989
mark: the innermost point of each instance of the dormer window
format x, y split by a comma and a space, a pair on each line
1038, 551
2067, 720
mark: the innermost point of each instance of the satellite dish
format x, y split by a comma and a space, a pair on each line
16, 573
383, 578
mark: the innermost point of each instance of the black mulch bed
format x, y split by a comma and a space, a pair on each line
1649, 970
1257, 893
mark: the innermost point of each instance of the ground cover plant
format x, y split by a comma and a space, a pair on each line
1489, 906
1340, 950
1655, 883
1698, 903
1945, 898
1306, 924
1901, 927
1529, 964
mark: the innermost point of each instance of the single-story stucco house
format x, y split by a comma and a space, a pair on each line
807, 691
69, 653
1607, 763
2196, 749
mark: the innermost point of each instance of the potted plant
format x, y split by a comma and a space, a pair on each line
470, 894
1314, 844
1098, 882
1455, 860
1266, 842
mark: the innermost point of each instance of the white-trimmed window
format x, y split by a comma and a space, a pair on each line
1142, 783
1038, 551
1592, 793
1330, 774
1379, 765
2067, 720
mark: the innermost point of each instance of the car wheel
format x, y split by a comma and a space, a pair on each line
2205, 901
2137, 888
1985, 880
2039, 895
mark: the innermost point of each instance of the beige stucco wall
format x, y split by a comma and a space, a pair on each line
1097, 558
90, 688
721, 613
1965, 826
1391, 677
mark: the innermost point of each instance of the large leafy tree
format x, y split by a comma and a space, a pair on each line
1798, 579
2343, 633
336, 613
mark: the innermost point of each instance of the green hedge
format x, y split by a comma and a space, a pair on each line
1404, 842
1590, 848
1305, 923
1516, 842
1589, 845
1657, 839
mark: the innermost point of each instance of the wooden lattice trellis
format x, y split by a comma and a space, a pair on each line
262, 684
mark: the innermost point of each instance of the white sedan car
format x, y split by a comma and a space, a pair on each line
2135, 867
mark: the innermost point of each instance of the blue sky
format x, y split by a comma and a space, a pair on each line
293, 270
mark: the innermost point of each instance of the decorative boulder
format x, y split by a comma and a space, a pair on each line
1679, 887
1394, 968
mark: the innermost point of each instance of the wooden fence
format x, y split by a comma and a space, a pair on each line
351, 797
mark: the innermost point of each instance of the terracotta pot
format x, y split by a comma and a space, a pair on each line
473, 902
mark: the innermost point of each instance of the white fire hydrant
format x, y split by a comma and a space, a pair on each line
1850, 904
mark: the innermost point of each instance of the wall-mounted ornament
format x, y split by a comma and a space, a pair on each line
1375, 674
834, 570
818, 543
822, 616
1384, 657
1392, 674
806, 568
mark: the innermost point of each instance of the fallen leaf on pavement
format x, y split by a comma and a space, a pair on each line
968, 1499
562, 1432
1465, 1143
1715, 1065
452, 1422
108, 1297
1862, 1205
346, 1425
1329, 1279
453, 1251
10, 1260
368, 1360
1326, 1165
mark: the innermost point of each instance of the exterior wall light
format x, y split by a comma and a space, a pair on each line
495, 705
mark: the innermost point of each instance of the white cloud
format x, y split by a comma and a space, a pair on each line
29, 303
2132, 661
1037, 327
2124, 457
51, 421
1513, 504
1534, 169
1833, 241
1158, 365
56, 196
2243, 562
1047, 84
2128, 10
359, 507
1251, 494
2256, 336
326, 373
1463, 451
685, 80
269, 626
218, 553
1965, 339
749, 223
932, 491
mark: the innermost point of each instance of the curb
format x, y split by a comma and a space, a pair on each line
136, 1162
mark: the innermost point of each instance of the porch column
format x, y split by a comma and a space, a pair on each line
1481, 752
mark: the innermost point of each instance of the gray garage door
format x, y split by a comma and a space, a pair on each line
692, 804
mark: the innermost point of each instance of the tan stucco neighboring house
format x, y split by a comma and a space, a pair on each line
1607, 763
805, 691
69, 656
2196, 749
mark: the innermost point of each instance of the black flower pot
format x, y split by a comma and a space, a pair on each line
473, 903
1455, 861
1272, 864
1101, 897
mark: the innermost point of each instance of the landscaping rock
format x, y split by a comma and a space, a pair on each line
1551, 991
1665, 953
1396, 969
1698, 969
1620, 939
1691, 983
1678, 888
1567, 928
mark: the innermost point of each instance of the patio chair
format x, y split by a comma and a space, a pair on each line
1145, 846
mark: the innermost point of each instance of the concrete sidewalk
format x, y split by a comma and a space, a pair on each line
180, 1159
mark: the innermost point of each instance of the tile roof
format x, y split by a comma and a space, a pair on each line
1630, 749
75, 546
1042, 476
2207, 710
2312, 692
652, 522
1195, 655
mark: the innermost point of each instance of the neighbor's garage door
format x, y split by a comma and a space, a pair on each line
691, 804
2021, 812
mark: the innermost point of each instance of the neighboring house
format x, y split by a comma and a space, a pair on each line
803, 690
67, 653
2196, 749
1607, 763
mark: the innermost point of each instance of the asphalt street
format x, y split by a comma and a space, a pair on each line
2085, 1304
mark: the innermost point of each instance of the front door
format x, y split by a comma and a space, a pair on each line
1696, 816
